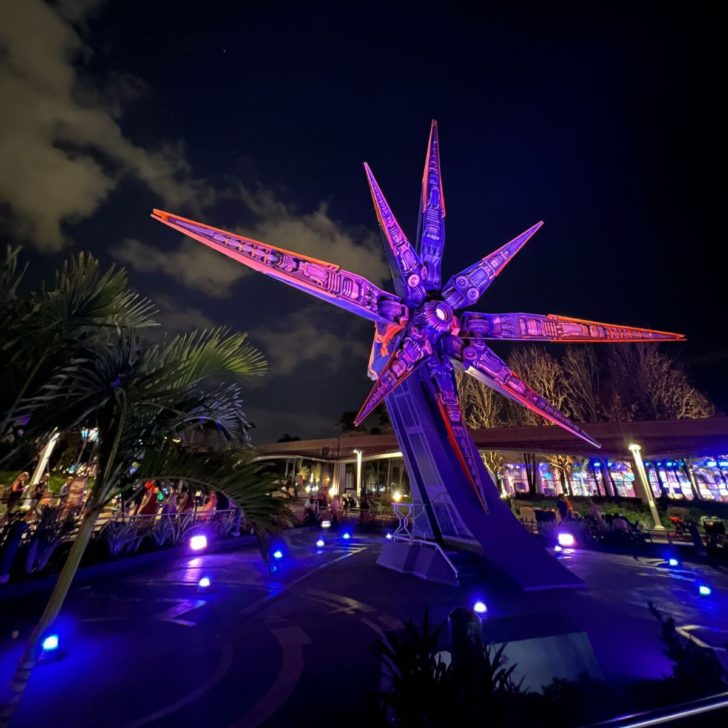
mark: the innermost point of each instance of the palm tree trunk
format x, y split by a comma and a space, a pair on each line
29, 659
564, 482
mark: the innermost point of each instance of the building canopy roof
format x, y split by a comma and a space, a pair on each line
658, 439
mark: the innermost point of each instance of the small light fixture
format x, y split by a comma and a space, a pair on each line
558, 549
566, 539
346, 536
388, 536
397, 496
198, 542
278, 554
673, 562
704, 590
479, 607
325, 524
320, 543
204, 582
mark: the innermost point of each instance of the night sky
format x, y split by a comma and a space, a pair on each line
602, 121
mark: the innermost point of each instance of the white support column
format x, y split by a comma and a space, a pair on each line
358, 473
44, 457
645, 483
338, 477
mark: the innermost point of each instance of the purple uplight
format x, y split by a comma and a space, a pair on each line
198, 542
565, 539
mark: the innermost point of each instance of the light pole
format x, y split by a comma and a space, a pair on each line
358, 473
635, 449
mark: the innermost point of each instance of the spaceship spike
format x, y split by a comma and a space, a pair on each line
324, 280
407, 268
466, 288
446, 392
431, 227
413, 348
550, 327
481, 362
386, 339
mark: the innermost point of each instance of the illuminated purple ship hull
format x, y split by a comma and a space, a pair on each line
420, 335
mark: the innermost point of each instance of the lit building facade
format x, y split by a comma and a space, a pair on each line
684, 460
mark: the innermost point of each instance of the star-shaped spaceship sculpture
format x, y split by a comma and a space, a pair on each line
423, 322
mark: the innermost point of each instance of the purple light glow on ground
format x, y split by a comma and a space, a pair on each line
157, 609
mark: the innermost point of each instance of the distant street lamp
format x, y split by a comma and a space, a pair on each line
635, 449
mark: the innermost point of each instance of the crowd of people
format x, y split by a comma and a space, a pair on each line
168, 499
21, 496
22, 499
595, 518
319, 506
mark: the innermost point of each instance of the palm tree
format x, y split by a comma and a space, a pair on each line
41, 329
140, 397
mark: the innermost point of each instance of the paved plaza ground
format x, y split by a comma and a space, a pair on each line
145, 646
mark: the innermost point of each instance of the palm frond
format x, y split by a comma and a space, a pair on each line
189, 358
11, 274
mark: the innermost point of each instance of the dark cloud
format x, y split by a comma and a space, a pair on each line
179, 317
306, 336
60, 137
191, 264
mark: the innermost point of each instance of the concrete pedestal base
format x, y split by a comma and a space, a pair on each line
421, 559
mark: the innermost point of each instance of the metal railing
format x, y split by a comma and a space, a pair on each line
125, 533
672, 714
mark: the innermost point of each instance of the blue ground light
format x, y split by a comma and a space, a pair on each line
50, 643
704, 590
673, 562
278, 554
346, 536
480, 607
320, 543
204, 582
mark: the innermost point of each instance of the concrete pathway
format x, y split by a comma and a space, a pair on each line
148, 647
